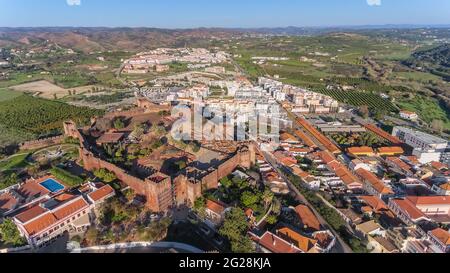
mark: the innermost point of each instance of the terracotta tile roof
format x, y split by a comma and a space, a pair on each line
439, 166
327, 157
249, 213
307, 218
287, 161
442, 235
7, 202
342, 171
306, 140
373, 180
217, 207
30, 214
323, 239
375, 203
70, 208
37, 218
101, 193
429, 200
399, 163
319, 136
361, 150
110, 138
366, 209
299, 150
409, 208
413, 160
394, 140
274, 243
300, 241
299, 172
64, 197
346, 176
287, 137
445, 187
40, 223
390, 150
407, 112
32, 189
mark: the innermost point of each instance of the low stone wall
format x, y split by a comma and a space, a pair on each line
13, 250
121, 246
42, 143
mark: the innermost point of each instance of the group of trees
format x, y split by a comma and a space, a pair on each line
119, 123
66, 177
370, 100
362, 139
33, 117
8, 180
105, 175
9, 234
235, 228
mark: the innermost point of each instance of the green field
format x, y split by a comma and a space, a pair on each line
26, 117
17, 161
6, 94
373, 101
428, 109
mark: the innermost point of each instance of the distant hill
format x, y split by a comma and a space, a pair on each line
136, 39
435, 60
99, 39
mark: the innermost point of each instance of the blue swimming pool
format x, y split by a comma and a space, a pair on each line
52, 185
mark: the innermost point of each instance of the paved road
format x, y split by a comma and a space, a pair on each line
341, 246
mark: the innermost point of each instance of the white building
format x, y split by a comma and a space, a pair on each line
409, 115
427, 148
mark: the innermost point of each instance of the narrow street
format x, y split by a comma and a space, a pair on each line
341, 246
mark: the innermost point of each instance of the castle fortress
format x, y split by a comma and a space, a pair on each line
162, 191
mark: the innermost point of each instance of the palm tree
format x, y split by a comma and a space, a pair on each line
267, 197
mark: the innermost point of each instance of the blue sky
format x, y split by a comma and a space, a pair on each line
221, 13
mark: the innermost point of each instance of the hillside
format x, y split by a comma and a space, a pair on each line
435, 60
99, 39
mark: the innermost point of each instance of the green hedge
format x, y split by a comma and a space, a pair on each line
66, 177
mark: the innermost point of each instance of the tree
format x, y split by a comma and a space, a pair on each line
249, 199
271, 219
105, 175
10, 234
235, 229
8, 181
267, 198
437, 125
226, 182
119, 124
364, 111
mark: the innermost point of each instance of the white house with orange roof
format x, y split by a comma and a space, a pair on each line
409, 115
48, 219
441, 238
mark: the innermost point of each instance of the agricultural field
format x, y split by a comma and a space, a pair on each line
373, 101
48, 90
26, 117
364, 64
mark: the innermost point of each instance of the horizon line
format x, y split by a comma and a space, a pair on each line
446, 25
